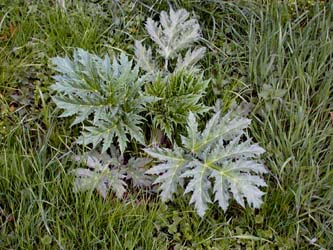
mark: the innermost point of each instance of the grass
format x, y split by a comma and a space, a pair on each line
277, 57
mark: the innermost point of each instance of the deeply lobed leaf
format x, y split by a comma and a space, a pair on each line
215, 158
108, 172
168, 171
107, 96
174, 33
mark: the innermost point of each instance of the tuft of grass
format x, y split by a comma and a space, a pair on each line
289, 64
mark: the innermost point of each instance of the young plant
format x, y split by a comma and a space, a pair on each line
112, 99
216, 158
107, 172
173, 78
107, 96
175, 33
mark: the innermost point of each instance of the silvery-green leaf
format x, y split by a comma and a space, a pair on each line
101, 174
234, 150
219, 156
245, 186
174, 33
135, 171
199, 185
191, 140
169, 170
116, 182
144, 58
100, 93
221, 189
190, 59
225, 127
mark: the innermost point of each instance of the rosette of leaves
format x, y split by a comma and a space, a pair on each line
213, 162
172, 70
178, 94
107, 96
109, 172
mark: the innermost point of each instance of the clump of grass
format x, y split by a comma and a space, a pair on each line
292, 118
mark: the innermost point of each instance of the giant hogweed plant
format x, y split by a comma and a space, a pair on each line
115, 101
171, 69
107, 96
214, 160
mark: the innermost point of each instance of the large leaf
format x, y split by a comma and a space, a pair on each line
135, 171
216, 157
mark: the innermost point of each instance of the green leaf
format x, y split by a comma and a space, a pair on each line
135, 171
199, 185
215, 157
172, 166
178, 95
190, 142
105, 96
100, 176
